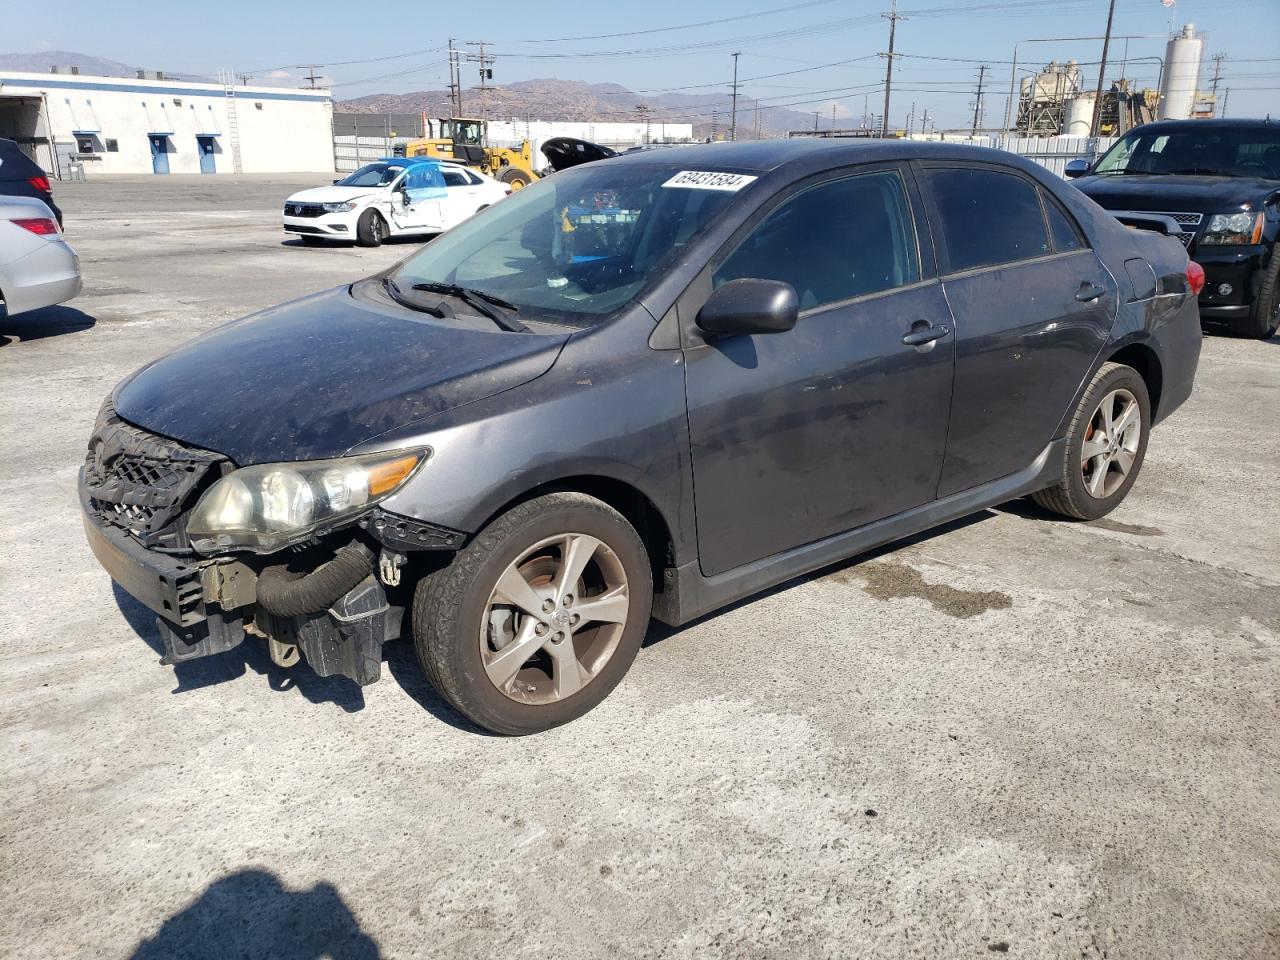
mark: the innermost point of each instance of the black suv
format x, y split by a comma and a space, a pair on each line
20, 176
1215, 186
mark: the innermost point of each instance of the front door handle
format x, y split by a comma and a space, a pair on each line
921, 335
1089, 292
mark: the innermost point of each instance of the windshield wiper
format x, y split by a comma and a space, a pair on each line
396, 294
1197, 172
480, 301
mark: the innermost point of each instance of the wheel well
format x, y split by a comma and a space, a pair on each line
638, 510
1143, 359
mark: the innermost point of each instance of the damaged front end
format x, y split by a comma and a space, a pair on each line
327, 590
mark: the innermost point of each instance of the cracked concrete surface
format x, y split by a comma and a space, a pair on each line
1012, 736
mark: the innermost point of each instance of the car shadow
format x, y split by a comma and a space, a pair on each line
251, 913
52, 321
251, 655
661, 631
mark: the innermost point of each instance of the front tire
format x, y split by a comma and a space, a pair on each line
371, 229
539, 617
1263, 319
1106, 444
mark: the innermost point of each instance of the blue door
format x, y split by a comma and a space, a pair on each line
159, 153
208, 160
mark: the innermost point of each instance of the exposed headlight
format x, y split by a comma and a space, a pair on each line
338, 207
271, 505
1234, 228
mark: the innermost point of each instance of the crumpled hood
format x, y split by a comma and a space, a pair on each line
1175, 194
333, 194
312, 378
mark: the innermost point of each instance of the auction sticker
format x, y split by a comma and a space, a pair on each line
709, 180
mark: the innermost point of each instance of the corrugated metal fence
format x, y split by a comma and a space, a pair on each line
1053, 153
349, 153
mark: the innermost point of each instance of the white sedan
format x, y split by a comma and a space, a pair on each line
38, 268
394, 196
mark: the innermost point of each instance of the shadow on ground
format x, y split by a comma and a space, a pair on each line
251, 655
42, 323
251, 914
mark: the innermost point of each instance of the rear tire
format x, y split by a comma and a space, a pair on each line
568, 645
1099, 464
371, 229
1263, 319
515, 179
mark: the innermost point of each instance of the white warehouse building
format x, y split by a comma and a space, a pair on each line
158, 125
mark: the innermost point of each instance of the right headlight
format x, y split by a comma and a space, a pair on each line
1234, 228
272, 505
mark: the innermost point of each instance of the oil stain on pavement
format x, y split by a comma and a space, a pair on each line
887, 580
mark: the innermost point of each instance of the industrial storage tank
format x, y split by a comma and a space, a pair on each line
1181, 75
1079, 118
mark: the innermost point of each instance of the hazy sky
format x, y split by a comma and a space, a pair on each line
401, 44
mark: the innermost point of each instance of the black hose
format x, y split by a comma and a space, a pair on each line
286, 594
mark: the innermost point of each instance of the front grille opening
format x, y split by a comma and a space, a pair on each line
145, 483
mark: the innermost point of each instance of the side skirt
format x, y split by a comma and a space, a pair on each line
687, 594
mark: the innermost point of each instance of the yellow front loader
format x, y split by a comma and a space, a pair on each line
466, 140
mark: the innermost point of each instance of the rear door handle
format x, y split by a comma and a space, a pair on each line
922, 335
1089, 292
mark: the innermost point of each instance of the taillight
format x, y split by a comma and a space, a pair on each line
44, 226
1195, 277
40, 183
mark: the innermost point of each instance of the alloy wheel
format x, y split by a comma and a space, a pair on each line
1111, 443
554, 618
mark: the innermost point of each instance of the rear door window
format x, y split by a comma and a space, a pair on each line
838, 240
988, 217
1061, 228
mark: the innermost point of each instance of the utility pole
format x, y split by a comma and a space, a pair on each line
893, 17
715, 125
486, 74
643, 110
1226, 95
756, 123
733, 121
977, 101
244, 78
1102, 71
311, 74
455, 87
816, 113
864, 110
1217, 75
833, 118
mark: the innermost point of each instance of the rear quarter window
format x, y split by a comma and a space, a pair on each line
988, 217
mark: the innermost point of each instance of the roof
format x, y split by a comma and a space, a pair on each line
408, 161
1219, 123
763, 156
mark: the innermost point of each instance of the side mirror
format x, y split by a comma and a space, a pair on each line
1076, 168
750, 306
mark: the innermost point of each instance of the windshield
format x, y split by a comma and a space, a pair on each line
574, 247
1208, 151
372, 175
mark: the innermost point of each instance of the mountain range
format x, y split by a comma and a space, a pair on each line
575, 100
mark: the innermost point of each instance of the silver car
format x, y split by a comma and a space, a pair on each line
38, 268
